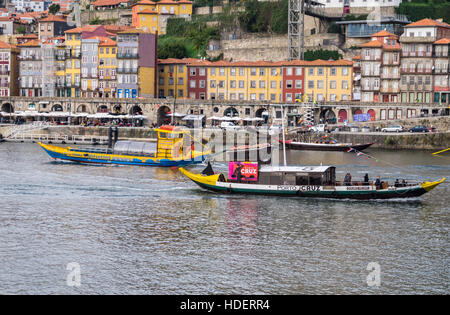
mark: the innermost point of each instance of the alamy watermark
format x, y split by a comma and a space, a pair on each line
74, 277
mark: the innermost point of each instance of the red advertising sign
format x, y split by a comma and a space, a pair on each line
243, 171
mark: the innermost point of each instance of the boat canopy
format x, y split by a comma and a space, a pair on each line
295, 169
134, 147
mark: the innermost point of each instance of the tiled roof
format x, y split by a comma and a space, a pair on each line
372, 44
54, 18
224, 63
428, 22
383, 33
167, 2
443, 41
4, 45
87, 28
101, 3
145, 2
104, 41
357, 57
31, 43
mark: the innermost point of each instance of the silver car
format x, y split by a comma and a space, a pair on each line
396, 128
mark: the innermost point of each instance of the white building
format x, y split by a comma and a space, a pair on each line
359, 3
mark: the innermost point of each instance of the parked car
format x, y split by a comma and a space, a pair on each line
365, 129
395, 128
419, 129
229, 125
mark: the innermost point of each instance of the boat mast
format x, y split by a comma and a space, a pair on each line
284, 139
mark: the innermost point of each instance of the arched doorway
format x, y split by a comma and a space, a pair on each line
82, 109
342, 115
358, 112
57, 108
231, 112
163, 115
137, 110
371, 112
328, 116
261, 112
7, 108
102, 109
117, 109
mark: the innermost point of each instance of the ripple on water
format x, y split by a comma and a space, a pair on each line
149, 230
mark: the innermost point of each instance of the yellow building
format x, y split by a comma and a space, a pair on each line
73, 62
329, 81
107, 67
152, 17
60, 69
250, 81
172, 78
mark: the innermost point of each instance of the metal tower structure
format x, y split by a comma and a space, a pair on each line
296, 29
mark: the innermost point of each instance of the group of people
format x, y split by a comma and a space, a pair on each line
379, 184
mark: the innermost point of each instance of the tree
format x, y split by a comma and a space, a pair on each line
21, 30
171, 49
54, 8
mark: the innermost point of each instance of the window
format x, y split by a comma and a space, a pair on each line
333, 85
333, 71
253, 71
273, 71
310, 84
262, 84
221, 71
289, 84
320, 84
233, 71
253, 84
311, 71
262, 71
288, 97
192, 84
232, 84
193, 71
273, 84
241, 84
201, 71
212, 84
289, 71
298, 71
213, 71
261, 97
320, 71
298, 84
344, 71
241, 71
344, 85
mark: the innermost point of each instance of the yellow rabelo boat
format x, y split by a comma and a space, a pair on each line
301, 181
170, 151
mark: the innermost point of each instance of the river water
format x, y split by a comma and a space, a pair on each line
135, 230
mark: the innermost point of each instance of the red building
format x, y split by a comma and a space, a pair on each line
197, 79
293, 81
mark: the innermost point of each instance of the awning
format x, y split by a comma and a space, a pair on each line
176, 114
193, 117
253, 119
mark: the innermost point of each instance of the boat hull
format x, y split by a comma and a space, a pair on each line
60, 153
326, 147
211, 183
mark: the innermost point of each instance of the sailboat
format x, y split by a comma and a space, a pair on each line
251, 178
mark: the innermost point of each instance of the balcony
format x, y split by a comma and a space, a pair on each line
4, 85
30, 57
441, 71
127, 70
442, 54
127, 56
371, 57
390, 76
415, 71
416, 87
390, 90
369, 88
417, 39
417, 54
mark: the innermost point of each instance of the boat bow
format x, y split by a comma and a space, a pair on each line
430, 185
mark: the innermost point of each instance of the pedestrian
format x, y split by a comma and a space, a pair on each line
366, 180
